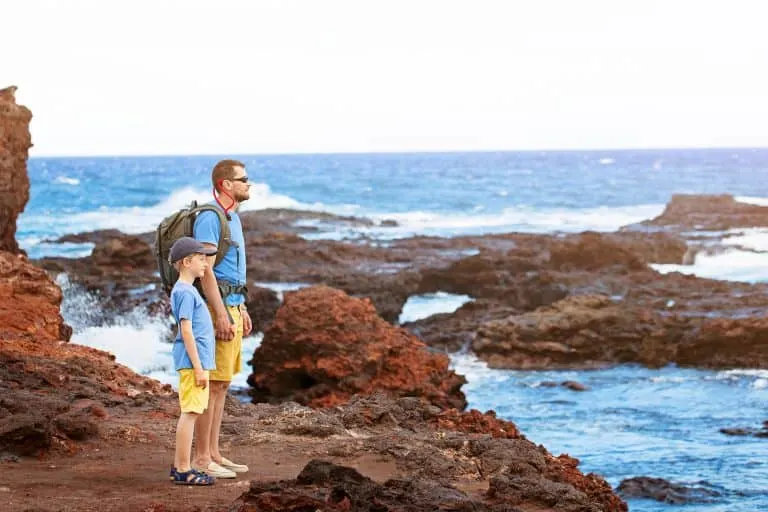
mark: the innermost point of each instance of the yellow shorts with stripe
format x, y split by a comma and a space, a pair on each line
228, 352
192, 397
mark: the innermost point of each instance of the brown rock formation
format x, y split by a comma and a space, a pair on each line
15, 142
121, 271
324, 347
709, 213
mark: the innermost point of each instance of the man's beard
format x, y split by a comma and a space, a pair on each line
241, 197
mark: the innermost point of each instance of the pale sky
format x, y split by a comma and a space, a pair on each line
149, 77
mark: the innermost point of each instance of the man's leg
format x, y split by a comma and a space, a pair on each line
219, 389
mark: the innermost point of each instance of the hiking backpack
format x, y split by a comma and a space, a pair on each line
177, 225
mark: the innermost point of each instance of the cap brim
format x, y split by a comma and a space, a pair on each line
209, 251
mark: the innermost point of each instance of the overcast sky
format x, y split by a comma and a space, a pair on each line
184, 77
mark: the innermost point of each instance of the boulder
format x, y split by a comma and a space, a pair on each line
324, 347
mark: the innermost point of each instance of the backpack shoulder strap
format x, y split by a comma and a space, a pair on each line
225, 237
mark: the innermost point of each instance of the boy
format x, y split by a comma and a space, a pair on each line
193, 353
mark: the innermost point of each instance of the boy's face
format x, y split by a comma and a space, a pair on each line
197, 264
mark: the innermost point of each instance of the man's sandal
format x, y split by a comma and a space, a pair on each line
191, 477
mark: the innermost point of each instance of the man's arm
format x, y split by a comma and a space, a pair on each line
225, 330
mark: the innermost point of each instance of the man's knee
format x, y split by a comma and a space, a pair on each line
219, 387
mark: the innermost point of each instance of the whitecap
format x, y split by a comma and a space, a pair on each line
66, 180
418, 307
758, 201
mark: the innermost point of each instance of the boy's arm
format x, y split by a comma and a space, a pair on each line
191, 347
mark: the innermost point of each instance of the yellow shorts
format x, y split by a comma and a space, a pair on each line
228, 358
192, 397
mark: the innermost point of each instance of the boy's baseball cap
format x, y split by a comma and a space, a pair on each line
185, 246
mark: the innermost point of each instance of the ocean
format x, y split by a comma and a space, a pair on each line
633, 422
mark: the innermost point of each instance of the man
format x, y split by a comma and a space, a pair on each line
224, 290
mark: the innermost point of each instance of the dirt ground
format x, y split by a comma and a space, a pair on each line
134, 476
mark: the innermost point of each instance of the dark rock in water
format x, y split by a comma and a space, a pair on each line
665, 491
747, 431
121, 273
95, 237
263, 304
575, 386
737, 431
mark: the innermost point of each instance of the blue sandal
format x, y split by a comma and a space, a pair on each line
191, 477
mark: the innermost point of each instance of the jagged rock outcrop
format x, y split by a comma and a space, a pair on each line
15, 141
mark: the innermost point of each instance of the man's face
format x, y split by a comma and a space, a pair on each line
241, 189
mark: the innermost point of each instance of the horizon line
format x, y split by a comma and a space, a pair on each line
404, 152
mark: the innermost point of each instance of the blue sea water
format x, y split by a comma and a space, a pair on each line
633, 421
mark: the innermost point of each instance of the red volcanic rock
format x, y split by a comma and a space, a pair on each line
29, 302
475, 422
15, 142
324, 347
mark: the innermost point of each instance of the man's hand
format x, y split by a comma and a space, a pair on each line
225, 330
247, 324
201, 378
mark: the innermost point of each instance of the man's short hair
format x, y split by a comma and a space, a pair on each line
224, 170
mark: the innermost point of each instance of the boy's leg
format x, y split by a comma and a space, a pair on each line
185, 430
193, 401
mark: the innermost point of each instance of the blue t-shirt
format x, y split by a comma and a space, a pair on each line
232, 266
186, 303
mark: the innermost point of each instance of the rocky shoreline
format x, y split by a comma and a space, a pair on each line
79, 431
352, 411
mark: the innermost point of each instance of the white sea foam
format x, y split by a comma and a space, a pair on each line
67, 180
418, 307
521, 219
137, 340
137, 219
759, 201
477, 372
607, 161
732, 265
281, 288
750, 238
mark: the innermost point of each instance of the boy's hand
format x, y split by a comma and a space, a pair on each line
225, 330
201, 378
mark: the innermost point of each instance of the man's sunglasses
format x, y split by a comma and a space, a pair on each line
243, 179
